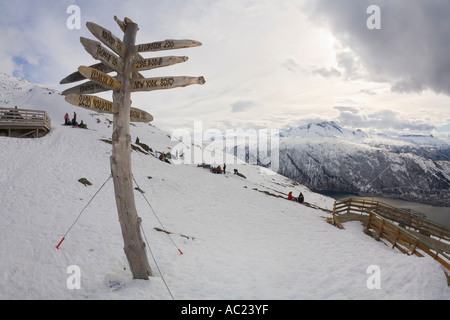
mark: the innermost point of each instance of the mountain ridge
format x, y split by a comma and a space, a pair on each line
325, 156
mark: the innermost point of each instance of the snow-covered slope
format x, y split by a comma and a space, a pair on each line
237, 242
325, 156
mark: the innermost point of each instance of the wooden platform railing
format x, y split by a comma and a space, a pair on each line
406, 242
404, 218
24, 119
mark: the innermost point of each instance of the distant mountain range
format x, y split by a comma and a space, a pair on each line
325, 156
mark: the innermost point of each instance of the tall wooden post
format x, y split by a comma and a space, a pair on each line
134, 245
127, 62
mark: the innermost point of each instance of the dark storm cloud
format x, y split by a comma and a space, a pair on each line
411, 50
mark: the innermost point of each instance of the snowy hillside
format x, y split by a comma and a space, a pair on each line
325, 156
239, 239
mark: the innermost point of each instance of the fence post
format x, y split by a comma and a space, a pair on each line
334, 210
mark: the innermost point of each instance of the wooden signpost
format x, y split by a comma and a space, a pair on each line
97, 51
167, 45
153, 63
100, 78
150, 84
105, 106
125, 60
92, 103
76, 76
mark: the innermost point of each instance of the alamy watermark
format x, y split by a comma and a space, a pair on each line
374, 280
233, 146
74, 20
74, 280
374, 20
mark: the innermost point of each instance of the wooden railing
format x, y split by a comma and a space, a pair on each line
403, 218
24, 119
405, 241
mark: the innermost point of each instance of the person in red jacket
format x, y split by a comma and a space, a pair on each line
66, 118
290, 197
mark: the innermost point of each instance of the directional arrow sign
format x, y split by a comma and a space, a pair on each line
77, 76
100, 77
137, 115
97, 51
150, 84
153, 63
88, 87
167, 45
105, 36
92, 103
105, 106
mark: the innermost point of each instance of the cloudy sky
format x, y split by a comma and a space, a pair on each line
267, 63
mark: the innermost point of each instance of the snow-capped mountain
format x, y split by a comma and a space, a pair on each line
325, 156
322, 130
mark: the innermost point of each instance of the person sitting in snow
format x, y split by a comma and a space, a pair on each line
300, 198
66, 119
83, 125
290, 197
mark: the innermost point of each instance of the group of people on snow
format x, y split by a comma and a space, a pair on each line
300, 198
13, 114
73, 122
219, 169
165, 157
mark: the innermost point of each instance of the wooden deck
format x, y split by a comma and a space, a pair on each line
405, 241
410, 233
22, 123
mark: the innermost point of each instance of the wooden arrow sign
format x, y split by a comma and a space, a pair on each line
105, 106
150, 84
88, 87
137, 115
100, 78
92, 103
77, 76
167, 45
97, 51
110, 40
153, 63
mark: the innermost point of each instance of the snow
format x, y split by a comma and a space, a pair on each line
240, 243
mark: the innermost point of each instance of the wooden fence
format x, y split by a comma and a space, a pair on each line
24, 122
405, 241
403, 218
